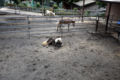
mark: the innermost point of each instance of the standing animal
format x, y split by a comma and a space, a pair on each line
65, 21
49, 13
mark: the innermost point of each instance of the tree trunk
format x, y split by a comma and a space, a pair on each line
66, 6
10, 1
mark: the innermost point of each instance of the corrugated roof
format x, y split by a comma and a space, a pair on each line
80, 3
116, 1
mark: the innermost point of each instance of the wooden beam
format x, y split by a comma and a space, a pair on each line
97, 23
108, 16
83, 11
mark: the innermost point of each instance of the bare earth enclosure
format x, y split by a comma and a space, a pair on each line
84, 56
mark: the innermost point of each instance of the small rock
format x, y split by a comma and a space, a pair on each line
36, 51
46, 66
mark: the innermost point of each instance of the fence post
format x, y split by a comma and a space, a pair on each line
62, 18
15, 9
44, 11
111, 20
97, 22
28, 22
19, 9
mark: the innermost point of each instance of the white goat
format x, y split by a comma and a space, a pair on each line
49, 13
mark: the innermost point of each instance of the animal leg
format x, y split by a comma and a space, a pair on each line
60, 27
73, 24
57, 27
68, 26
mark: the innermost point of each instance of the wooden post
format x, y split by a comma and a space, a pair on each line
68, 27
97, 22
42, 8
62, 18
83, 11
44, 11
28, 27
108, 16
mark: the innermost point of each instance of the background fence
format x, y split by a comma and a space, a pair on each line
40, 25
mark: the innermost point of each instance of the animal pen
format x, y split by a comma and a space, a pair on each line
36, 25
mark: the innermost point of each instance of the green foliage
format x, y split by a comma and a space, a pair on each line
87, 13
58, 1
66, 1
55, 6
75, 9
1, 2
17, 1
40, 1
6, 3
22, 5
102, 15
100, 4
65, 12
38, 4
9, 4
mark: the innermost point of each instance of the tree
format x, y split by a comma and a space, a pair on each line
58, 1
16, 1
101, 4
41, 1
2, 3
10, 1
66, 2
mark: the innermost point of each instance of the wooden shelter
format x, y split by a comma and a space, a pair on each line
112, 9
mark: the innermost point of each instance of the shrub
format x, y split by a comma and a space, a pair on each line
102, 15
101, 4
75, 9
9, 4
87, 13
55, 6
38, 5
22, 5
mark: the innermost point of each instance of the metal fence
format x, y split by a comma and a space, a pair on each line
14, 24
35, 25
31, 25
93, 13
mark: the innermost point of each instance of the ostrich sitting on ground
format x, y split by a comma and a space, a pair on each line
57, 42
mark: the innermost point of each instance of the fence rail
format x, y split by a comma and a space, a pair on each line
33, 25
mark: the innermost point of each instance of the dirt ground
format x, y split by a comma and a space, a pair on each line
84, 56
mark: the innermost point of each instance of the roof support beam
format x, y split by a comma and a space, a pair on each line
83, 11
108, 16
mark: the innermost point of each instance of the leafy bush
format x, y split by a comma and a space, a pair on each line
101, 4
75, 9
6, 3
38, 5
65, 12
87, 13
22, 5
55, 6
9, 4
102, 15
